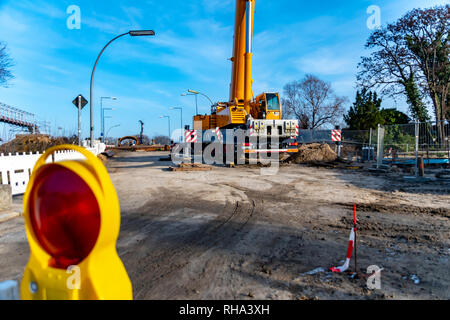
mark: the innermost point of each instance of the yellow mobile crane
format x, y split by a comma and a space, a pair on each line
261, 115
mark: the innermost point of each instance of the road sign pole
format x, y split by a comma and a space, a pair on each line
79, 120
79, 103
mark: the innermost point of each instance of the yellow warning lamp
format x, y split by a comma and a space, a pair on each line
72, 220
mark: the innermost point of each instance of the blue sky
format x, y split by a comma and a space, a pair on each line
194, 40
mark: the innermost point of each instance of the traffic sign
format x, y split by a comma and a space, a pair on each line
72, 221
83, 101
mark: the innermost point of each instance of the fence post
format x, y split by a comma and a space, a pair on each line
416, 148
380, 146
421, 167
338, 143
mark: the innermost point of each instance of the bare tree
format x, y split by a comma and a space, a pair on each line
164, 140
145, 139
313, 102
5, 66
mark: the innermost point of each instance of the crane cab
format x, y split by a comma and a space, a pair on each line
267, 106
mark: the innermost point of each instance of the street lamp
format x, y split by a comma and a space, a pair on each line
196, 93
107, 133
181, 122
102, 115
196, 102
168, 117
133, 33
105, 117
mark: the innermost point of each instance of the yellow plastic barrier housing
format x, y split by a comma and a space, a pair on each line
72, 220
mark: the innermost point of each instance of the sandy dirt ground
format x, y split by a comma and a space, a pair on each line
239, 234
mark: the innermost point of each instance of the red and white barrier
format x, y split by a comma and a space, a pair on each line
219, 134
351, 243
336, 135
191, 136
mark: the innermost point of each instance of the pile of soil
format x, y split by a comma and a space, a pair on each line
33, 143
315, 152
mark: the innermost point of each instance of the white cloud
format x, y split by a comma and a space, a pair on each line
326, 62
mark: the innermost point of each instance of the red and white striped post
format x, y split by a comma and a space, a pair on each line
351, 245
336, 136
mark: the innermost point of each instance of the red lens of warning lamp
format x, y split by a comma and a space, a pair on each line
65, 216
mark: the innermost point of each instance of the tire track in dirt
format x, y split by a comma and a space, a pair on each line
167, 264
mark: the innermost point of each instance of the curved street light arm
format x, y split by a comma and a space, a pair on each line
92, 82
207, 98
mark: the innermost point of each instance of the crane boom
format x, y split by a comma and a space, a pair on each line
241, 76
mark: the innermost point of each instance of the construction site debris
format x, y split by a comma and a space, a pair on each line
415, 279
34, 143
316, 270
109, 153
142, 148
445, 174
315, 152
191, 167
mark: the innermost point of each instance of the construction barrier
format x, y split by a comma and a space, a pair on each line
351, 242
351, 245
16, 169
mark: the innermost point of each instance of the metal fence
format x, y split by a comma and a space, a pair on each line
352, 145
392, 144
356, 137
405, 144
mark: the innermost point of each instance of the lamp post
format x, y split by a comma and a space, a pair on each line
168, 117
196, 102
102, 114
105, 117
181, 122
196, 93
107, 133
103, 120
133, 33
